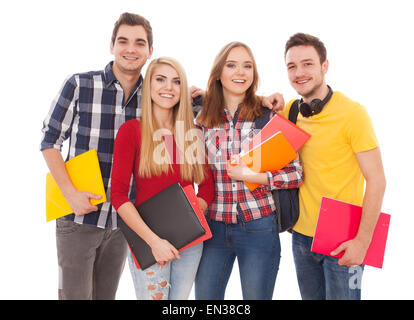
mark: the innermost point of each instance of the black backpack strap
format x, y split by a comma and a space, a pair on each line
294, 111
259, 123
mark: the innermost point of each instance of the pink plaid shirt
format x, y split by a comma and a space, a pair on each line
233, 198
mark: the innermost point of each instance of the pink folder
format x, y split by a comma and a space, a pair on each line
294, 135
338, 222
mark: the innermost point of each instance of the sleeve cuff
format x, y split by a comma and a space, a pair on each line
44, 146
271, 183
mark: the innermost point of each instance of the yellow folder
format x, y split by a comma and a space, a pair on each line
85, 174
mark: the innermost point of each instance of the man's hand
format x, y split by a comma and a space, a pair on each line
195, 92
79, 202
354, 252
274, 102
371, 166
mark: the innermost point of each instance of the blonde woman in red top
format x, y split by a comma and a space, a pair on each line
157, 150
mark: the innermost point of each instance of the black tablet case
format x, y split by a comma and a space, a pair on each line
170, 215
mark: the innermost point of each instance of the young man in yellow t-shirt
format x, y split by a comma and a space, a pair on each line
340, 156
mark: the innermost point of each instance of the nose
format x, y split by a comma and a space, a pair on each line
240, 70
168, 85
299, 72
131, 48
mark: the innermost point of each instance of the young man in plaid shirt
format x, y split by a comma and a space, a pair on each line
88, 110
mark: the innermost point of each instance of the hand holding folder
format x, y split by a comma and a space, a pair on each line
271, 154
273, 147
173, 214
85, 173
339, 221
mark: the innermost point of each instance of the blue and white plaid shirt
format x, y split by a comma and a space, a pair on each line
89, 110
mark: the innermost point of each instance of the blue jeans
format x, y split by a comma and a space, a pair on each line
257, 248
172, 282
320, 277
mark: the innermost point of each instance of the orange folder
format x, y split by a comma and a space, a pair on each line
338, 222
295, 135
85, 173
192, 198
271, 154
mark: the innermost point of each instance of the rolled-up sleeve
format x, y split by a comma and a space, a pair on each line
289, 177
57, 125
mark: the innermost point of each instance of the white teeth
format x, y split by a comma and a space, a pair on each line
166, 95
239, 81
302, 81
130, 58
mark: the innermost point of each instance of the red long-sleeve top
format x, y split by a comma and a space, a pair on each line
126, 162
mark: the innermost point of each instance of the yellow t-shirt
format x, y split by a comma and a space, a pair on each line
328, 158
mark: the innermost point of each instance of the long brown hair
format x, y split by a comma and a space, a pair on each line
212, 112
191, 168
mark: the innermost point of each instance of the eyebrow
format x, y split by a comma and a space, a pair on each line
164, 76
301, 61
137, 40
304, 60
247, 61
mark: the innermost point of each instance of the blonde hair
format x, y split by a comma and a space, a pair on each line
150, 131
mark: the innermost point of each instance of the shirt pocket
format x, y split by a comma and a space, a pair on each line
216, 142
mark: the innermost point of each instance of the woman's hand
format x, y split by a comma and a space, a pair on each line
164, 251
238, 170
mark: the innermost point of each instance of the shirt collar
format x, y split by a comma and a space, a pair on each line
110, 76
227, 115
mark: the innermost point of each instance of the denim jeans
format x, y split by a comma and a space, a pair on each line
257, 248
320, 277
172, 282
91, 260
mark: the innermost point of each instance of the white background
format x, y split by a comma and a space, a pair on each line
371, 60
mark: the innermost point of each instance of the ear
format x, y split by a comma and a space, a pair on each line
150, 52
325, 66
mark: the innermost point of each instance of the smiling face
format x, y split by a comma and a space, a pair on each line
305, 71
238, 73
130, 49
165, 87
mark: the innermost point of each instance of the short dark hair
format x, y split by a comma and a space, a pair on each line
132, 19
303, 39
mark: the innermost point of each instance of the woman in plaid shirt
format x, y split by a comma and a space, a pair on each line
243, 222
